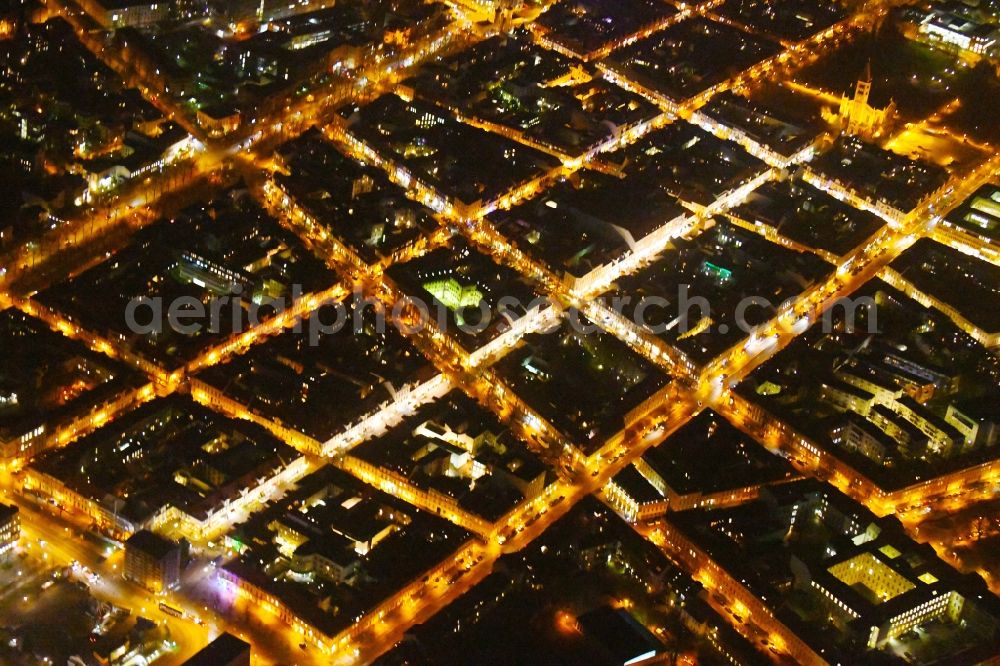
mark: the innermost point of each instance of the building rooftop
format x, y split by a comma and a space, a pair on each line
151, 544
636, 486
223, 650
618, 632
7, 512
709, 455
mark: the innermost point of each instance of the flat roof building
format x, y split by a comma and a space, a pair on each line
152, 561
226, 650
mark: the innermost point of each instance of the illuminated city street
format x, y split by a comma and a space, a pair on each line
420, 380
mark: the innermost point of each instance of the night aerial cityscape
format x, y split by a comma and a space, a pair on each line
570, 332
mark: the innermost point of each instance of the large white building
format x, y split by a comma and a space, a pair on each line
134, 13
951, 29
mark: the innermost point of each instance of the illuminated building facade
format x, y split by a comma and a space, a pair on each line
976, 420
134, 13
863, 437
211, 275
10, 529
859, 117
453, 294
152, 561
879, 595
954, 31
984, 210
632, 496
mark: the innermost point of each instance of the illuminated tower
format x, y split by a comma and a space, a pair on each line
858, 116
864, 87
503, 15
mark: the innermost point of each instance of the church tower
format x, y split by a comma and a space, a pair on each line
864, 87
859, 118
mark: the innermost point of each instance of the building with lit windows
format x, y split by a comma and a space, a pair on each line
846, 396
832, 580
134, 13
10, 529
943, 437
911, 440
197, 472
977, 421
954, 27
321, 556
152, 561
883, 588
981, 213
219, 120
632, 496
211, 275
863, 437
